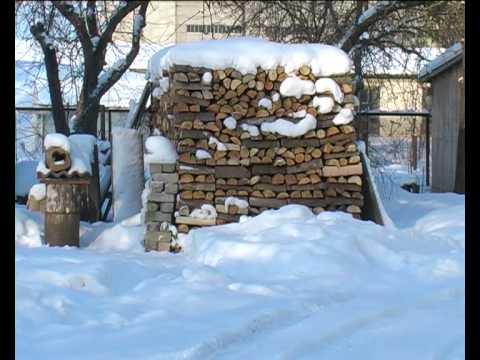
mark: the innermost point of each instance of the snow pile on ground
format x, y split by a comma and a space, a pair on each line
126, 235
245, 54
38, 191
25, 176
27, 228
285, 284
288, 128
160, 149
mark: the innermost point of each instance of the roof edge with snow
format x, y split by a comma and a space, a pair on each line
441, 63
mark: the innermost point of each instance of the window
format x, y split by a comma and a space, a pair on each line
370, 100
217, 29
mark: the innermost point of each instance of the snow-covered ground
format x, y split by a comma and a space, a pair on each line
284, 285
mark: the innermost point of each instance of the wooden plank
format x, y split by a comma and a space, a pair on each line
334, 171
190, 100
267, 170
269, 203
190, 116
261, 144
187, 220
232, 172
313, 164
290, 143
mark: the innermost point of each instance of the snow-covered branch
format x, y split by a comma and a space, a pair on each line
370, 17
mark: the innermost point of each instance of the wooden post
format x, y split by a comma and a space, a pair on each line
459, 186
110, 126
427, 149
102, 122
62, 211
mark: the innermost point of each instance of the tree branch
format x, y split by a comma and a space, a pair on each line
112, 75
370, 17
51, 65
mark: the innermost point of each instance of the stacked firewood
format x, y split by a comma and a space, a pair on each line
227, 136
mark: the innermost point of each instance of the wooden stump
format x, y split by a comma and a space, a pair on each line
62, 211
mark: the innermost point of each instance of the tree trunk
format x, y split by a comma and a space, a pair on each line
51, 67
87, 116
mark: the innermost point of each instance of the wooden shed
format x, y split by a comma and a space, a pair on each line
446, 76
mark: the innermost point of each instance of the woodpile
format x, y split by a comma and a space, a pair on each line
231, 144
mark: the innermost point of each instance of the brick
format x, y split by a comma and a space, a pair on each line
157, 186
161, 197
171, 188
167, 207
166, 178
158, 216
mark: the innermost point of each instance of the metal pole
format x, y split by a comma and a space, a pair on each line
110, 125
102, 123
366, 136
427, 149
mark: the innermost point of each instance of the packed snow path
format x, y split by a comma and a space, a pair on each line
284, 285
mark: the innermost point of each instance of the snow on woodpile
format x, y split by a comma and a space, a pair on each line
159, 149
264, 122
246, 54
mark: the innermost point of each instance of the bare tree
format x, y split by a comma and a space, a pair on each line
81, 32
368, 30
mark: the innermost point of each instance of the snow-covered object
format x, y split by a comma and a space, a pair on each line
105, 178
246, 54
275, 97
126, 235
38, 191
207, 78
265, 103
240, 203
324, 104
345, 116
230, 122
252, 129
288, 280
27, 229
329, 86
80, 148
387, 221
299, 114
159, 149
25, 176
128, 172
161, 88
220, 146
288, 128
207, 211
202, 154
294, 86
57, 140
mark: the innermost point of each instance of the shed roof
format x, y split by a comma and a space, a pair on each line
441, 63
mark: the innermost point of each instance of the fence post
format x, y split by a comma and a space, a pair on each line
427, 149
366, 135
102, 122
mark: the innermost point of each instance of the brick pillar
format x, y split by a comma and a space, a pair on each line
160, 206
